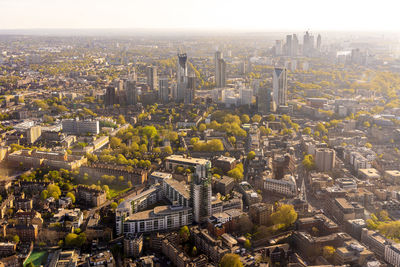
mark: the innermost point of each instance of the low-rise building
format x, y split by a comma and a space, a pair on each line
53, 160
78, 127
27, 233
225, 163
352, 253
286, 186
392, 254
369, 174
260, 213
207, 244
158, 219
133, 245
250, 196
177, 192
173, 161
72, 217
374, 241
91, 196
392, 176
224, 185
7, 248
104, 258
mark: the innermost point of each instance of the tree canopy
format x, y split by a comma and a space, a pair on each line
230, 260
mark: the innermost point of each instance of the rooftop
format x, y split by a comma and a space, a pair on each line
188, 160
156, 212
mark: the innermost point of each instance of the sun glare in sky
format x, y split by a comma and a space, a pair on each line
341, 15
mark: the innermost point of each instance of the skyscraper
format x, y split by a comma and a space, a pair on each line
131, 92
278, 47
189, 92
151, 73
201, 192
264, 101
111, 96
308, 44
319, 42
295, 45
163, 90
220, 70
288, 47
182, 73
245, 95
279, 85
325, 159
132, 74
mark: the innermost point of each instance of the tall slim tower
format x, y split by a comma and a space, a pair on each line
295, 45
278, 47
279, 85
189, 92
163, 90
201, 192
111, 96
308, 44
182, 73
264, 101
319, 42
131, 92
151, 72
288, 46
220, 70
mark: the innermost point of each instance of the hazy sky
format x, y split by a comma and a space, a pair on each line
349, 15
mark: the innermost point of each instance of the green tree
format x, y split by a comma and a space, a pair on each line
251, 155
149, 131
237, 172
284, 216
16, 239
328, 251
321, 128
54, 191
115, 142
168, 150
194, 251
184, 233
247, 244
232, 140
121, 119
307, 130
70, 238
71, 196
114, 206
230, 260
308, 162
202, 127
256, 118
44, 195
194, 140
245, 118
143, 148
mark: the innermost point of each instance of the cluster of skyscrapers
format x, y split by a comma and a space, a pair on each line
127, 91
292, 47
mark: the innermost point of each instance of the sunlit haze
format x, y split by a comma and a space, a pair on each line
343, 15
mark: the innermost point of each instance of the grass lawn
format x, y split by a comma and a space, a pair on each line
37, 258
116, 190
